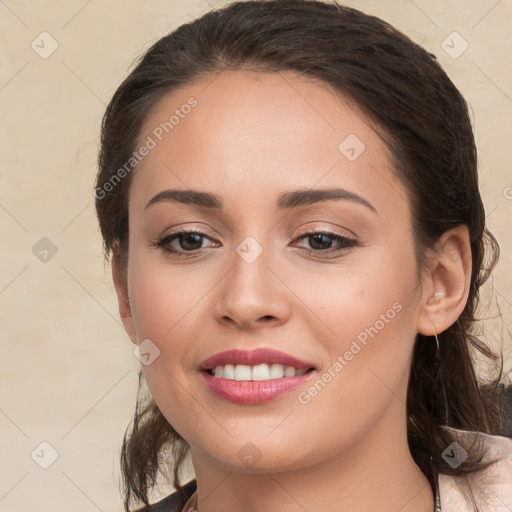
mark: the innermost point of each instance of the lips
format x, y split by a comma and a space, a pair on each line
253, 358
239, 388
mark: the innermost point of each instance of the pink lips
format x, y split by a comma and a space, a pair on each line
253, 358
253, 392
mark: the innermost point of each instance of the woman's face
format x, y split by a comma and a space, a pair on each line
253, 276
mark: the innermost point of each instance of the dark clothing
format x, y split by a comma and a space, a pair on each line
170, 503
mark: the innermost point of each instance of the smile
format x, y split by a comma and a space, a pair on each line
242, 372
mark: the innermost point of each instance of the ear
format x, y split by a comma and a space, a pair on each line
445, 289
120, 284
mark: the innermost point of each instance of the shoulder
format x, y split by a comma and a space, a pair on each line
171, 503
490, 487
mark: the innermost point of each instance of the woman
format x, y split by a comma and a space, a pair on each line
288, 193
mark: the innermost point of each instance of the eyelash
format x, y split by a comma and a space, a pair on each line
346, 243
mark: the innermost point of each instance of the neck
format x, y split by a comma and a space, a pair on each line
374, 474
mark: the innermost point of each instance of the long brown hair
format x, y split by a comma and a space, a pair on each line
404, 93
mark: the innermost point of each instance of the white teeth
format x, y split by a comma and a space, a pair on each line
260, 372
276, 371
243, 372
289, 371
229, 372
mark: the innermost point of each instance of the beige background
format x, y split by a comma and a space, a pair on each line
68, 374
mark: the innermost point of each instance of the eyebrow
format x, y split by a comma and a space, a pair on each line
286, 200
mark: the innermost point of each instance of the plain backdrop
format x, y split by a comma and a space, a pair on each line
68, 372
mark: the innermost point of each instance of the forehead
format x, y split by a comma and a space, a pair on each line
238, 130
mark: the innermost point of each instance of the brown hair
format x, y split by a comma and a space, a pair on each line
407, 97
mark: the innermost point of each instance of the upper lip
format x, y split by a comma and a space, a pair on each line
253, 358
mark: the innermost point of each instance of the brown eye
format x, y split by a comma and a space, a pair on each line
182, 242
189, 241
322, 242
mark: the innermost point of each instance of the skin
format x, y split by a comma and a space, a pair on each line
251, 137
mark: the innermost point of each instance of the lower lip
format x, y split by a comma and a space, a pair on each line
254, 391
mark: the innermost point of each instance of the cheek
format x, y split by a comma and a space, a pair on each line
367, 368
169, 310
166, 297
379, 290
366, 324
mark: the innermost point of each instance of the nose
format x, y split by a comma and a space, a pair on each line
252, 294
